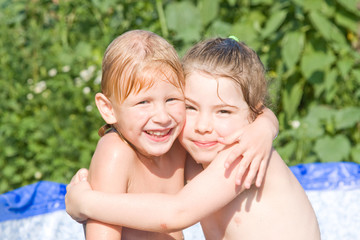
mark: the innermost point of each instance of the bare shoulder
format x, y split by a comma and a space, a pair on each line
112, 148
276, 160
111, 163
278, 174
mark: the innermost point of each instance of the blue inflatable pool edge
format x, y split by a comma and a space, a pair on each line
45, 197
328, 176
31, 200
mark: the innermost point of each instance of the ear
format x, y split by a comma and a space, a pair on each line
105, 108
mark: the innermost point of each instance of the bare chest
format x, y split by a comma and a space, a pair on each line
161, 178
166, 177
231, 221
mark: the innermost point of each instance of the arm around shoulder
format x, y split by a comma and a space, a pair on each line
206, 193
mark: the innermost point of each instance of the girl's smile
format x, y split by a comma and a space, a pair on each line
205, 144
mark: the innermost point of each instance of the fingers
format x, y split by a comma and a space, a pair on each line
261, 173
253, 170
243, 171
83, 174
75, 196
243, 168
233, 138
72, 182
235, 154
256, 172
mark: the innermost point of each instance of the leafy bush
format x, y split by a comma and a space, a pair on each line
50, 66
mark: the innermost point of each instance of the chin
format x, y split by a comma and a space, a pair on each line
203, 158
158, 152
157, 149
161, 150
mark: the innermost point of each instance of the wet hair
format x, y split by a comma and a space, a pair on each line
226, 57
134, 60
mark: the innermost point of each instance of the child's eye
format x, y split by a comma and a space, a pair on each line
224, 111
142, 102
171, 99
188, 107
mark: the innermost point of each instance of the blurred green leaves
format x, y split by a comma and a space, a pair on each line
273, 23
293, 45
185, 19
332, 149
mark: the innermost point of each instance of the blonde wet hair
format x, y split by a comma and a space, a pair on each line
134, 61
227, 57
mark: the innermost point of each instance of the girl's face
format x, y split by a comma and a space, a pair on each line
152, 119
214, 108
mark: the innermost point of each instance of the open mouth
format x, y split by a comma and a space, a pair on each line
159, 135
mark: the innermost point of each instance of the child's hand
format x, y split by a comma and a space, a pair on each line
75, 195
254, 144
81, 175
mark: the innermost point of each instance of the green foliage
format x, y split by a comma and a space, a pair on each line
50, 67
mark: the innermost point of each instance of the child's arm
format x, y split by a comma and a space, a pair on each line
254, 144
207, 192
108, 174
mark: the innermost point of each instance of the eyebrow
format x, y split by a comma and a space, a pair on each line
216, 106
226, 105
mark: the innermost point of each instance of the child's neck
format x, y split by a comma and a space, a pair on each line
205, 165
149, 160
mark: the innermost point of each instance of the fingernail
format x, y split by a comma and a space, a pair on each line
238, 182
226, 165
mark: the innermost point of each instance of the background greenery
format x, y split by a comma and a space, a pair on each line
50, 62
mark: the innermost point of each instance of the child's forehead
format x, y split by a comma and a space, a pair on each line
158, 86
210, 78
155, 74
202, 85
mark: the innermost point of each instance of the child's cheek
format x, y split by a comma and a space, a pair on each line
181, 114
178, 113
225, 128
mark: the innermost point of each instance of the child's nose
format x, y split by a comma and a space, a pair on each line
203, 124
161, 115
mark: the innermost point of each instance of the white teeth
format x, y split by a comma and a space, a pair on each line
157, 133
